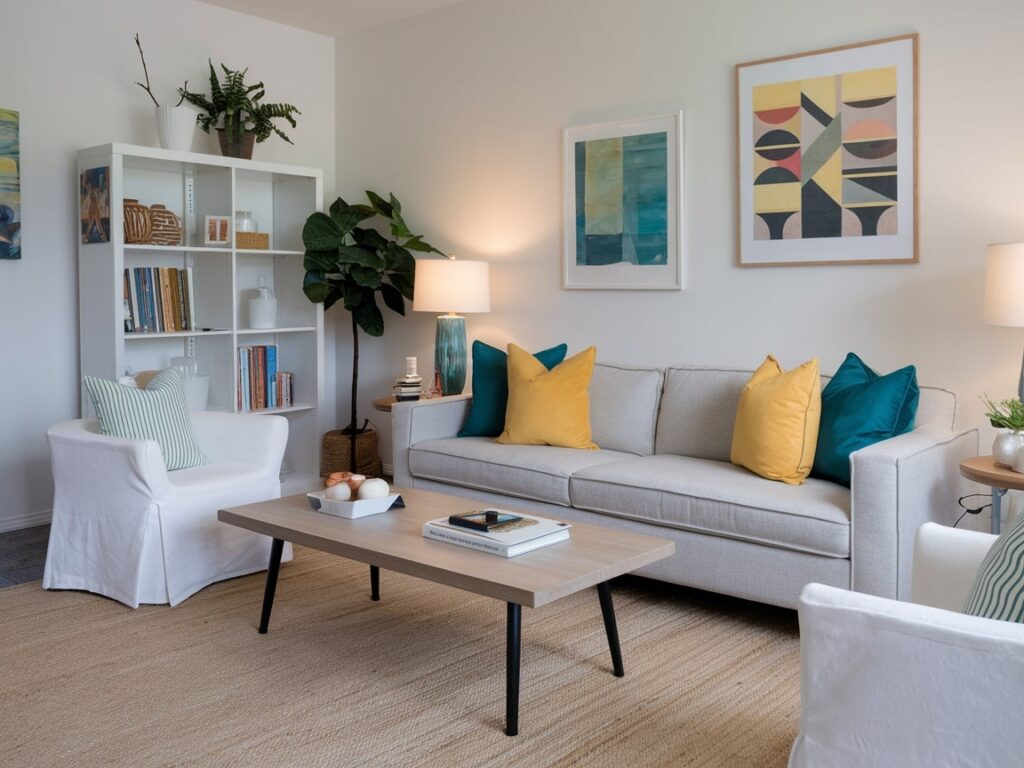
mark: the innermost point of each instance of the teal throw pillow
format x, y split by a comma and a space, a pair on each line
490, 388
998, 591
860, 408
159, 412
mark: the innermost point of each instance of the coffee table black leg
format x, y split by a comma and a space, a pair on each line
604, 592
512, 658
276, 548
374, 582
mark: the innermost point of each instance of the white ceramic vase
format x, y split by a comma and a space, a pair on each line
176, 126
1005, 448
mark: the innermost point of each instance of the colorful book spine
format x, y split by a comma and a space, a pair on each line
271, 377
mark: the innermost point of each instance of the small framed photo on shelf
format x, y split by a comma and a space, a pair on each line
217, 230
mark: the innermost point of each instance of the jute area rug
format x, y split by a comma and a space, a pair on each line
415, 679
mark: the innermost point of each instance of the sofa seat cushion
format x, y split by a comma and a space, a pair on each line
539, 472
719, 498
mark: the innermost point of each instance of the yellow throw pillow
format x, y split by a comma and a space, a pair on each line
777, 422
548, 407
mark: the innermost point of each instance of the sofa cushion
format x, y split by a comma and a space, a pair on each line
624, 407
719, 498
548, 407
698, 411
538, 472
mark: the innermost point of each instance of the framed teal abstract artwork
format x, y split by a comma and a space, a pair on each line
10, 186
623, 204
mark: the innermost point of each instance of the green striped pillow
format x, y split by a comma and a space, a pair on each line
158, 412
998, 591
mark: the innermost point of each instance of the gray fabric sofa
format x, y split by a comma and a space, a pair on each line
663, 469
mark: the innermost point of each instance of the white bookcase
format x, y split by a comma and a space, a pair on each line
195, 186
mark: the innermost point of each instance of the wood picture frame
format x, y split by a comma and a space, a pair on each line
623, 203
827, 157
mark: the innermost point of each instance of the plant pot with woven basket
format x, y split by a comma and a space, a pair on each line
336, 453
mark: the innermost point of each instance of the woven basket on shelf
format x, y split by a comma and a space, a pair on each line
257, 241
336, 453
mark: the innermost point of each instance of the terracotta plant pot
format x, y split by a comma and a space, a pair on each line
138, 226
242, 147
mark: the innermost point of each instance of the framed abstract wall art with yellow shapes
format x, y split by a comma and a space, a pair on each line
827, 156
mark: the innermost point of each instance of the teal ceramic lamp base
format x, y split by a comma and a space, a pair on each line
450, 353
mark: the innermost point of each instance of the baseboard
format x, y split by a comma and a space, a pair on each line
28, 520
389, 470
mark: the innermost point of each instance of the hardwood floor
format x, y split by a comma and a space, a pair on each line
22, 554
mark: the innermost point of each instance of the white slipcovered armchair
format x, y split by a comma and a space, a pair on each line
886, 683
125, 527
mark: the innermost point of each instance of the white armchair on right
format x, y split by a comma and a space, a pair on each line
888, 683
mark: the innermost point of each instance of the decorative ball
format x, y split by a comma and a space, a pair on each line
354, 481
339, 492
336, 477
374, 488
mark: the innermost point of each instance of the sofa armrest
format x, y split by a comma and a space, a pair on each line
946, 562
897, 486
249, 438
891, 683
418, 420
87, 465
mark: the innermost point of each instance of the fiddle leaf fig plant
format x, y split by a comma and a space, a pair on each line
351, 264
240, 105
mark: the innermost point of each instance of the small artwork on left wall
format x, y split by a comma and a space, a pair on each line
10, 186
94, 205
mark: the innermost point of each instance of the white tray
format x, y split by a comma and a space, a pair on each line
350, 509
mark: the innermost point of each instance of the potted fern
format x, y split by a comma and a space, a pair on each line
351, 264
246, 119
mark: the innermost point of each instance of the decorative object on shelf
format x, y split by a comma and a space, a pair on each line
263, 308
94, 205
435, 386
244, 222
138, 222
352, 264
10, 186
175, 126
451, 286
1004, 289
252, 241
623, 204
827, 156
217, 230
245, 119
197, 385
1009, 415
166, 226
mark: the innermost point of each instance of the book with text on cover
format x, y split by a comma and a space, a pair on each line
528, 534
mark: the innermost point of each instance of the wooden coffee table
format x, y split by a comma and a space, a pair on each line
394, 541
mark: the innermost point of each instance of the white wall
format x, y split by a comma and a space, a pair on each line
69, 69
461, 116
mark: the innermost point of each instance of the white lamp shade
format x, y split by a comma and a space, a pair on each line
1004, 284
452, 285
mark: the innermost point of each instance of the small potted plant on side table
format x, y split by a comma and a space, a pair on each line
1007, 414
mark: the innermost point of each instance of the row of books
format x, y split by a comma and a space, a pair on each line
260, 383
522, 534
159, 300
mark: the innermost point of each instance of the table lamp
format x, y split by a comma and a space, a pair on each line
1004, 290
451, 286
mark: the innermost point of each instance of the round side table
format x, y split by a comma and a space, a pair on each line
984, 470
384, 403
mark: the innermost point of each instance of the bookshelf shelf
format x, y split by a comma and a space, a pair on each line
194, 186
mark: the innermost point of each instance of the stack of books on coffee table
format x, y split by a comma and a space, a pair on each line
497, 532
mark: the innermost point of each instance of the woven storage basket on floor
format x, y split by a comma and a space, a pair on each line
336, 453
